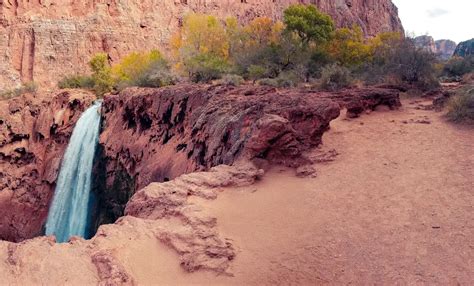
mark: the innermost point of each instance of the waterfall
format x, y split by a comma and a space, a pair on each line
69, 212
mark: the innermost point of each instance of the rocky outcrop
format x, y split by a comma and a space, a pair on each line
445, 48
42, 41
154, 135
34, 133
465, 49
358, 100
161, 212
426, 42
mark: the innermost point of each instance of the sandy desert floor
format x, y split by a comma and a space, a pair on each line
395, 207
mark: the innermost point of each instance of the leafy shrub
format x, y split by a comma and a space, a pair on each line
77, 81
268, 82
142, 69
335, 77
459, 66
461, 106
206, 67
231, 79
285, 80
256, 72
397, 58
29, 87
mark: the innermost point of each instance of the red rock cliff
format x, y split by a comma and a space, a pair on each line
44, 40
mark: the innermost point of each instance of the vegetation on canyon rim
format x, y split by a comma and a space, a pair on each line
304, 48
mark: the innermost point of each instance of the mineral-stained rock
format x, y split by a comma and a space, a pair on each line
42, 41
153, 135
34, 133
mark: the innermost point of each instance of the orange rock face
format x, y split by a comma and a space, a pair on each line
42, 41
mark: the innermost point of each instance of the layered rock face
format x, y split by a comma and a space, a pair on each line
42, 41
465, 49
33, 136
445, 48
154, 135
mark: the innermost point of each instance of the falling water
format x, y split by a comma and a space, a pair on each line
68, 215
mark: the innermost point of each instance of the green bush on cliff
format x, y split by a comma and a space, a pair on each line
29, 87
142, 69
77, 81
101, 73
136, 69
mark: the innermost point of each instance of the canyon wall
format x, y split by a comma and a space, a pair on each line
42, 41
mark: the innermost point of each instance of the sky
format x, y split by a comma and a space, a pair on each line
441, 19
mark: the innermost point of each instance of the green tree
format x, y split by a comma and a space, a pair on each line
310, 24
101, 73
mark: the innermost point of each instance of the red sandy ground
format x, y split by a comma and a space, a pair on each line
395, 207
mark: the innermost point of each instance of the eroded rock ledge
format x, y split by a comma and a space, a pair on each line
154, 135
34, 132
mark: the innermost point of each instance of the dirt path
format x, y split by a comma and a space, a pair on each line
395, 207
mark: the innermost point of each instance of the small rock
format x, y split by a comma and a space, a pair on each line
305, 171
423, 121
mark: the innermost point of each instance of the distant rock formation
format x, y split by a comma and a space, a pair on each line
42, 41
426, 42
465, 49
445, 48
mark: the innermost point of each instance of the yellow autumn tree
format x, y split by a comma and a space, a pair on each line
202, 47
348, 46
262, 31
134, 65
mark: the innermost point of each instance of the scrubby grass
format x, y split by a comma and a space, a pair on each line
334, 77
77, 81
461, 106
29, 87
231, 79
